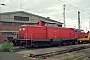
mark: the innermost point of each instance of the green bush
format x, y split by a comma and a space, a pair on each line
6, 47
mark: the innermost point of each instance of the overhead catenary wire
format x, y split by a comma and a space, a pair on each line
72, 6
58, 0
40, 11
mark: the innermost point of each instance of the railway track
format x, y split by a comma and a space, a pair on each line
58, 52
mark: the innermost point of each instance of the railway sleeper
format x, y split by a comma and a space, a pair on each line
49, 54
76, 49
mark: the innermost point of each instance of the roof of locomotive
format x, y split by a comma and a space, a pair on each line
52, 22
42, 26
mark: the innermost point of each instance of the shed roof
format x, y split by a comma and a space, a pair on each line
30, 14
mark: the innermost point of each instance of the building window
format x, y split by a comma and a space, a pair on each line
6, 24
6, 33
18, 24
20, 18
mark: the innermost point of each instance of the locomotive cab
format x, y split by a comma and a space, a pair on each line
42, 23
45, 23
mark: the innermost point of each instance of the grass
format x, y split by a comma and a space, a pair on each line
39, 59
6, 47
78, 57
65, 54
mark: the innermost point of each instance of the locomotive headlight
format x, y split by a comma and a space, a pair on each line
19, 29
23, 28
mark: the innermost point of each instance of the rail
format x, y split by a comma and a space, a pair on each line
53, 53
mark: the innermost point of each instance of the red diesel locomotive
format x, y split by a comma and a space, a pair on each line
45, 34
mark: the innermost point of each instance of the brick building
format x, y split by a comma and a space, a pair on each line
10, 22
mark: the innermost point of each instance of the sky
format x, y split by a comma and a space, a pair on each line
53, 9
